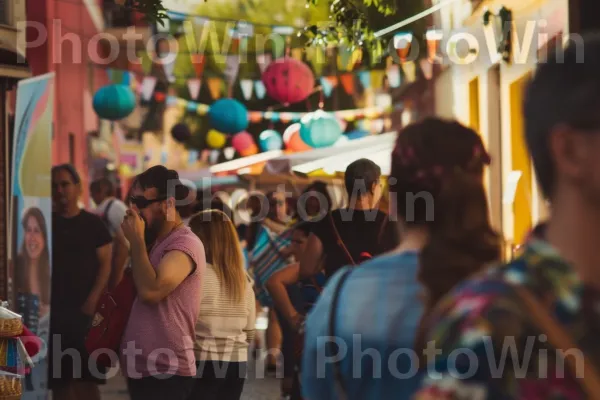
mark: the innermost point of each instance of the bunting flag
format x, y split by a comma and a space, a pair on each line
232, 67
348, 83
194, 86
247, 86
164, 154
316, 57
427, 68
126, 78
214, 156
263, 60
377, 79
169, 67
344, 58
192, 157
393, 75
260, 90
148, 85
229, 153
365, 79
215, 86
326, 86
198, 60
278, 49
410, 71
333, 80
297, 54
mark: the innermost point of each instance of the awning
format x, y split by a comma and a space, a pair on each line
336, 159
203, 179
252, 165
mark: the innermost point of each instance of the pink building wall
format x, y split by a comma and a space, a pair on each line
68, 53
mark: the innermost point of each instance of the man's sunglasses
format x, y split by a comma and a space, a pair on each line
141, 202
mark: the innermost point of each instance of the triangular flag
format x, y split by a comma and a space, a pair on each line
198, 61
260, 90
344, 57
194, 86
192, 157
393, 75
410, 70
326, 86
316, 57
215, 86
278, 49
148, 85
169, 67
247, 86
232, 66
109, 73
263, 60
297, 54
427, 68
333, 80
377, 76
125, 78
348, 83
365, 79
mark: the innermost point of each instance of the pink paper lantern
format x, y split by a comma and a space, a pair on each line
244, 144
288, 80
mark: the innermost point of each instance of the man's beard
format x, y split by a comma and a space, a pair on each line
150, 234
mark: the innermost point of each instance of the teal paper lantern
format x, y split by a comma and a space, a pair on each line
270, 140
228, 116
114, 102
320, 129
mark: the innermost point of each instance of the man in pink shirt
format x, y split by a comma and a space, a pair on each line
157, 349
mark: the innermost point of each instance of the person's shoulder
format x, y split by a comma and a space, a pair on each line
185, 240
90, 217
478, 308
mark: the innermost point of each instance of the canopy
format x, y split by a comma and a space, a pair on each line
314, 158
203, 179
250, 165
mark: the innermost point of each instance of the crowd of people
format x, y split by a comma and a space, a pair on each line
411, 302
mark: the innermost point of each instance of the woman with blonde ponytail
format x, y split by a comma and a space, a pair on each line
225, 325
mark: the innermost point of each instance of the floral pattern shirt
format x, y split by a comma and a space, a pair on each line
488, 347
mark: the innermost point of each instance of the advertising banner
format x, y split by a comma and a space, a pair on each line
32, 217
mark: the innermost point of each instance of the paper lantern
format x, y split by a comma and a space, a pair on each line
228, 116
244, 144
114, 102
288, 80
181, 133
292, 139
320, 129
216, 139
270, 140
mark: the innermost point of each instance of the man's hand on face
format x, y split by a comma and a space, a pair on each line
133, 227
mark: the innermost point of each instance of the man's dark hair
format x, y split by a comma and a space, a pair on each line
361, 175
565, 90
165, 181
304, 227
70, 169
103, 185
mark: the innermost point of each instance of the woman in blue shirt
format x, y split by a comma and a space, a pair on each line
362, 336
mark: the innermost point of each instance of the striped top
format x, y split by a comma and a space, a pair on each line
224, 329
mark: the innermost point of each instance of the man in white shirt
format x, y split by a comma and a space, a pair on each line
112, 211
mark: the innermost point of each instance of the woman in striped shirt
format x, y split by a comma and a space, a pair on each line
225, 325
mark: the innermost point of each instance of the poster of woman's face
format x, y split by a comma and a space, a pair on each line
32, 267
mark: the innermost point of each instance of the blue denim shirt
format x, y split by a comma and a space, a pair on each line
378, 313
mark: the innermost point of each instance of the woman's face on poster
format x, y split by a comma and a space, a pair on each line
34, 239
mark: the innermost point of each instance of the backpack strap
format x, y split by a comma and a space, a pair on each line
339, 240
337, 373
106, 211
560, 340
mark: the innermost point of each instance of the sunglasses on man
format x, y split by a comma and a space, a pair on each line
141, 202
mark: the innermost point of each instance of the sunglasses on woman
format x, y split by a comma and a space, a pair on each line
141, 202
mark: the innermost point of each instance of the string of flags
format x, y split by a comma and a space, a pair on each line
395, 75
375, 112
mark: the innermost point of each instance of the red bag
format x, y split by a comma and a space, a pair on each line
110, 319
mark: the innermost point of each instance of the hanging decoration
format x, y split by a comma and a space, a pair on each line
365, 79
232, 67
260, 90
393, 75
228, 116
288, 80
247, 85
216, 139
357, 134
148, 85
319, 129
348, 83
194, 85
410, 71
270, 140
244, 144
181, 132
198, 61
215, 86
427, 68
114, 102
263, 61
292, 139
326, 86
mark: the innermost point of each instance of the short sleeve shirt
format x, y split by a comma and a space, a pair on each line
75, 263
362, 231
